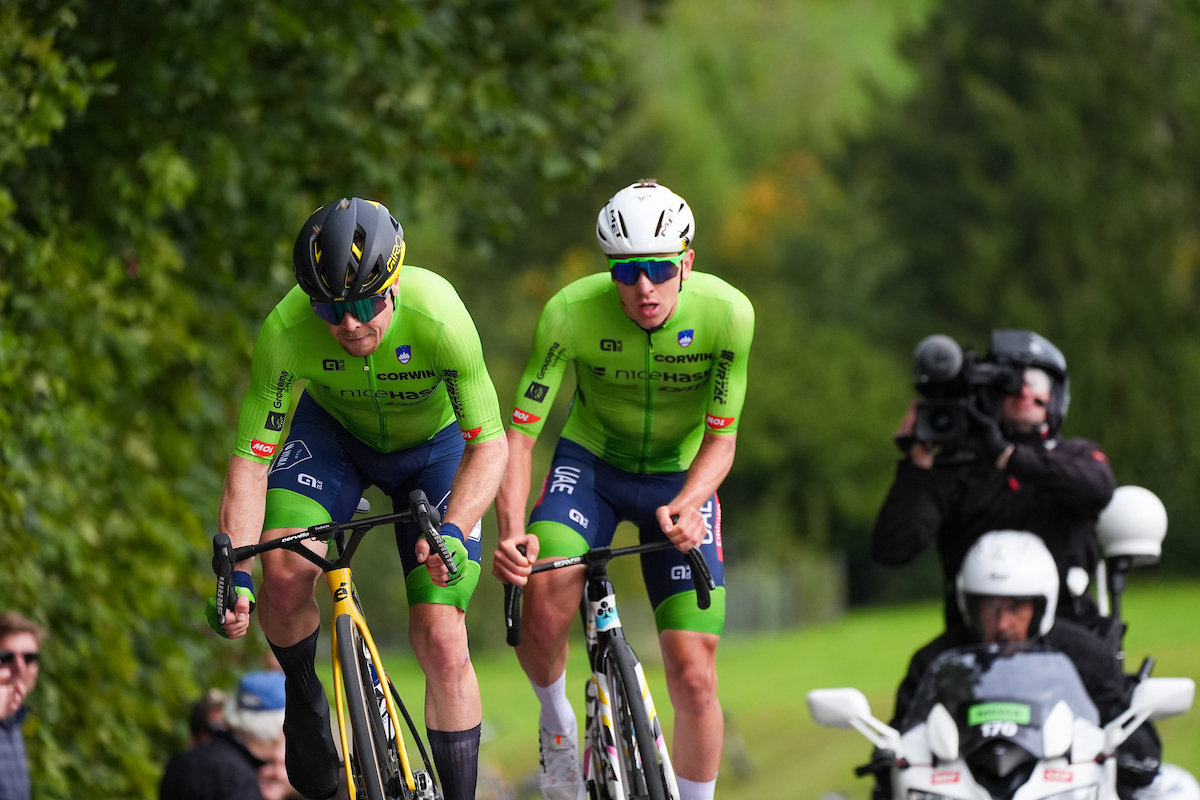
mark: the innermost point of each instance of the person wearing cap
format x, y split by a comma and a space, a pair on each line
1006, 590
397, 396
1026, 478
660, 357
225, 766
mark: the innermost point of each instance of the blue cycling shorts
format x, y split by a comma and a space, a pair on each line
582, 501
322, 470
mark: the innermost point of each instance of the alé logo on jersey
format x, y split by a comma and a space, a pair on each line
404, 353
524, 417
685, 337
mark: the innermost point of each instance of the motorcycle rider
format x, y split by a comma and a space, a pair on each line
1006, 590
1027, 479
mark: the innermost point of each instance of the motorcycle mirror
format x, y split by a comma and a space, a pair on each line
942, 731
1168, 697
835, 708
1154, 698
1058, 730
848, 708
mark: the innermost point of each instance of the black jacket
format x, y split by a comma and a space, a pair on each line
220, 769
1055, 492
1107, 685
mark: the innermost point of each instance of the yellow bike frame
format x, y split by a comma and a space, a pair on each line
339, 584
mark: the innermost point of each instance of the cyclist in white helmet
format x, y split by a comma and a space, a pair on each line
1007, 590
660, 356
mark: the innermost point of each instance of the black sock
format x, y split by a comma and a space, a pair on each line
299, 665
456, 756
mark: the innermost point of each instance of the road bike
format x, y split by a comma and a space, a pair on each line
376, 757
625, 754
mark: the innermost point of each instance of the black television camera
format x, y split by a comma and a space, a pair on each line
952, 381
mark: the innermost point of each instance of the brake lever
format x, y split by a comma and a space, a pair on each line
222, 564
512, 609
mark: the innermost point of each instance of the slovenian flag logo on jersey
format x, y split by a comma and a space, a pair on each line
404, 353
685, 337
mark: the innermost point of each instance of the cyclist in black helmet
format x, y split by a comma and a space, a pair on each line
1027, 479
397, 397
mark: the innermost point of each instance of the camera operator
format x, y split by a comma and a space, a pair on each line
997, 464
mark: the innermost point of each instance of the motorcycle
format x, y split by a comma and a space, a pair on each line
1014, 722
1003, 722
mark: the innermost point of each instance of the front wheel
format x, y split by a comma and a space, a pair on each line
368, 745
625, 753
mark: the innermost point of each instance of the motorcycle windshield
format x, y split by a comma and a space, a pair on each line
1001, 691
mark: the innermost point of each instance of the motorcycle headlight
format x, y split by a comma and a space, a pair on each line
916, 794
1082, 793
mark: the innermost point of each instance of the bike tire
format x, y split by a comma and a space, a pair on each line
363, 761
635, 739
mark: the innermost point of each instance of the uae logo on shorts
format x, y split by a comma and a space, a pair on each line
685, 337
404, 353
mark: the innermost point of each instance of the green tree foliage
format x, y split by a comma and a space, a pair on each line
1045, 176
155, 161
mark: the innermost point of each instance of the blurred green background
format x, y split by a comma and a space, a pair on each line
867, 173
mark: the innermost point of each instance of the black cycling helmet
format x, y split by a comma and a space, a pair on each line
348, 250
1028, 349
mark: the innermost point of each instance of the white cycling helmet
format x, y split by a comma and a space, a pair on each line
1009, 564
1133, 524
644, 219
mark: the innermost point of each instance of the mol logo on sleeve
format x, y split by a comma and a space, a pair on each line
524, 417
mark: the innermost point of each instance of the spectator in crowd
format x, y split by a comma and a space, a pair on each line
226, 767
20, 649
208, 715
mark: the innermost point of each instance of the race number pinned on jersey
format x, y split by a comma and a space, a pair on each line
404, 353
685, 337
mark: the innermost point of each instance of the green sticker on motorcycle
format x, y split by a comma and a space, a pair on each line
999, 712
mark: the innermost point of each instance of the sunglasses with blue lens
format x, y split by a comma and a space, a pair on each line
658, 269
363, 310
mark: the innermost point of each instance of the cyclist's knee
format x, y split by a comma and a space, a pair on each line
438, 637
690, 663
288, 580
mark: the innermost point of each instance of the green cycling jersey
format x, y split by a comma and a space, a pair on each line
427, 372
643, 399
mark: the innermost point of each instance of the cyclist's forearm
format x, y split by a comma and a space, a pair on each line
514, 489
710, 466
243, 502
476, 481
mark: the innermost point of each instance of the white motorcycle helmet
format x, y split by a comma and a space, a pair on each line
1009, 564
644, 219
1133, 524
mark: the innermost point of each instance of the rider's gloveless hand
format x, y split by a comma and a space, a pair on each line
509, 565
688, 532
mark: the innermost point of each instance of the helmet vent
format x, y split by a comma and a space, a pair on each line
621, 221
658, 227
646, 183
684, 233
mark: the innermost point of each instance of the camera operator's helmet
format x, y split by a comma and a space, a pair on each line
1009, 564
645, 218
348, 250
1028, 349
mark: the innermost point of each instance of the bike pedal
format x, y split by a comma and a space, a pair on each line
425, 788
